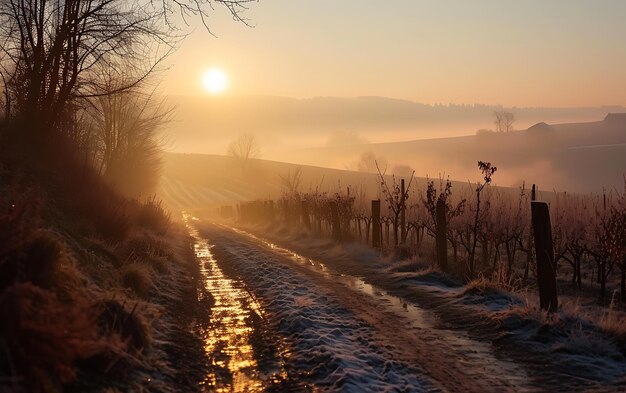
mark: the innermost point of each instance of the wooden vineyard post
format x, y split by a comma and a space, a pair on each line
305, 214
376, 224
296, 213
285, 208
403, 214
334, 213
544, 252
270, 210
442, 249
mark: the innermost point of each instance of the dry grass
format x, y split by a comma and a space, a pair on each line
68, 243
414, 264
483, 285
142, 245
46, 337
613, 321
590, 330
125, 320
138, 278
153, 215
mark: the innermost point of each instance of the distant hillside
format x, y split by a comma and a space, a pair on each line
199, 181
207, 124
573, 156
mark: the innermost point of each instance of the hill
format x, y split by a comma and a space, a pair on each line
583, 157
202, 181
206, 124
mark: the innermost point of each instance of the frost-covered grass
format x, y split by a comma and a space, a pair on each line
89, 284
329, 347
582, 334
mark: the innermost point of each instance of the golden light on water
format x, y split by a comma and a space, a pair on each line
227, 338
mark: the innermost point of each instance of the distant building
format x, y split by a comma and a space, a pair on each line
540, 128
616, 118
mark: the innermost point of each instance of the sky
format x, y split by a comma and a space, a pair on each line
557, 53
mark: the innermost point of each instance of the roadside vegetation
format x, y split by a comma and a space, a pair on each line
95, 290
97, 286
488, 243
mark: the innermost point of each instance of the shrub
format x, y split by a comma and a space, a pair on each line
42, 257
142, 246
107, 212
26, 254
485, 286
153, 215
114, 319
160, 264
138, 278
45, 337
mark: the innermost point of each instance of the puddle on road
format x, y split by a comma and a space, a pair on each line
469, 351
228, 336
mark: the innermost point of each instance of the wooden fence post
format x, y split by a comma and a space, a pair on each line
544, 252
442, 246
305, 215
376, 235
403, 214
336, 229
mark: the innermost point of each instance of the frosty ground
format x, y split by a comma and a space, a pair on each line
314, 316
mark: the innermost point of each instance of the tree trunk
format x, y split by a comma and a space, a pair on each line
623, 283
376, 238
403, 215
336, 229
602, 276
442, 246
473, 251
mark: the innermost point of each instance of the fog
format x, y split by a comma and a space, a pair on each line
545, 145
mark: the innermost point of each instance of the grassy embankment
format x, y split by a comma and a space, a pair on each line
97, 291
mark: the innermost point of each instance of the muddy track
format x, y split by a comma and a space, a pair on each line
547, 370
371, 321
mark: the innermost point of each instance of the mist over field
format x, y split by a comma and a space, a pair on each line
572, 148
205, 124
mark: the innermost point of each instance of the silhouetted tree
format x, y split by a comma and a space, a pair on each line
429, 201
128, 147
245, 148
395, 198
291, 182
369, 162
51, 51
503, 121
487, 170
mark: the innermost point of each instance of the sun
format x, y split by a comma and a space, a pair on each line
215, 81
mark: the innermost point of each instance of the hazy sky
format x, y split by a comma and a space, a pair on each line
516, 53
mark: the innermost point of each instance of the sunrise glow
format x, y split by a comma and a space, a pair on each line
215, 81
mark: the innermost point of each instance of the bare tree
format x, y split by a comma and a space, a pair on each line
51, 51
291, 182
396, 198
245, 148
128, 147
487, 170
503, 121
369, 162
429, 201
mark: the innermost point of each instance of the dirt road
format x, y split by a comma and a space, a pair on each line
335, 332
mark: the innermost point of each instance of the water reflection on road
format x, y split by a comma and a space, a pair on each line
472, 353
228, 337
